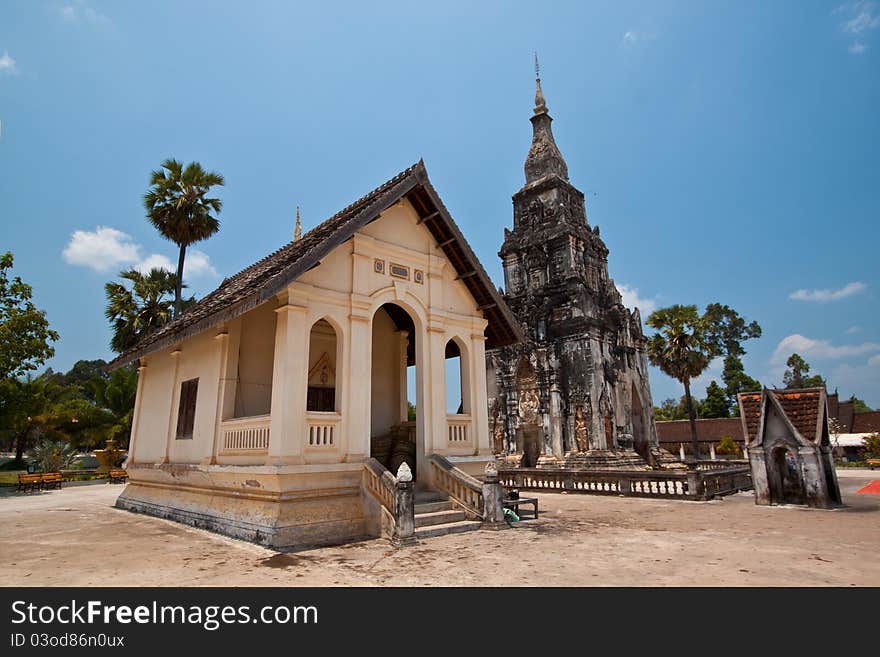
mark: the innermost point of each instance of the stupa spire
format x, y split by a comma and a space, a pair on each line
544, 157
298, 231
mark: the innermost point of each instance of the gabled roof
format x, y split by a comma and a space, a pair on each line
709, 430
269, 276
804, 410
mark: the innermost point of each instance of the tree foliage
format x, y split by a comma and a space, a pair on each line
736, 381
872, 446
715, 404
24, 330
141, 307
686, 342
797, 375
179, 207
671, 409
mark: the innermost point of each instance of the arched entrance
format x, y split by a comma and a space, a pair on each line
786, 483
393, 415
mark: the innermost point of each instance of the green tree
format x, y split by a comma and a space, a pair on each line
52, 455
141, 308
671, 409
872, 446
715, 404
24, 330
686, 342
798, 374
736, 381
728, 446
28, 410
859, 405
179, 207
116, 394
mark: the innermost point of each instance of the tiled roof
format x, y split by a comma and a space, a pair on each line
709, 430
868, 422
802, 407
265, 278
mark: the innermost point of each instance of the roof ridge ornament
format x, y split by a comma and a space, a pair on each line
297, 231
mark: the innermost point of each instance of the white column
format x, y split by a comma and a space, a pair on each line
712, 451
358, 391
173, 404
434, 380
289, 385
404, 410
136, 416
479, 395
222, 340
681, 451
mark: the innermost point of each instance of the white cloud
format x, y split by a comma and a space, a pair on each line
861, 17
854, 329
810, 348
7, 64
874, 361
857, 48
630, 37
631, 299
847, 290
79, 12
155, 261
198, 264
105, 249
102, 249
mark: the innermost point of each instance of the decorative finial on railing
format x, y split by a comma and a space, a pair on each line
404, 473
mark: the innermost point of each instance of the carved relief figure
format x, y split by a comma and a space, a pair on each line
528, 406
581, 430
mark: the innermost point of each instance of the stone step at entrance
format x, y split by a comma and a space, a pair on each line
436, 515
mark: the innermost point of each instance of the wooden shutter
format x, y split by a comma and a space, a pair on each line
186, 411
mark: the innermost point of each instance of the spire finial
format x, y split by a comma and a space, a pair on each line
540, 103
297, 232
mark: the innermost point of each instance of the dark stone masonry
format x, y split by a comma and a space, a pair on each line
579, 380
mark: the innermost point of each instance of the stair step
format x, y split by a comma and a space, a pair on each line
439, 518
427, 496
431, 507
448, 528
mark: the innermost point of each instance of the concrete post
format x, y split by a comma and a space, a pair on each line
695, 484
712, 451
404, 514
493, 494
289, 373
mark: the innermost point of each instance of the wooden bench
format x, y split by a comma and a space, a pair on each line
50, 480
118, 476
28, 482
873, 463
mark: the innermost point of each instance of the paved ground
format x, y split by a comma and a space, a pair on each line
74, 537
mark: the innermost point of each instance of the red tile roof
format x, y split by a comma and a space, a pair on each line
802, 407
868, 422
709, 430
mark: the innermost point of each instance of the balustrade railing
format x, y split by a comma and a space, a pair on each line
396, 499
246, 434
322, 429
458, 429
463, 489
695, 484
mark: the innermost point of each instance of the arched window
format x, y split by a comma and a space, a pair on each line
457, 381
322, 367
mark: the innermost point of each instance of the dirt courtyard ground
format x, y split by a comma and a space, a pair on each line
74, 537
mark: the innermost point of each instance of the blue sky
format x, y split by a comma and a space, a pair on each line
729, 150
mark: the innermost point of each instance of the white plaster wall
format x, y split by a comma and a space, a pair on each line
385, 375
253, 390
155, 403
199, 358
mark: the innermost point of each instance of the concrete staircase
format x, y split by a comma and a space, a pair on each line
435, 515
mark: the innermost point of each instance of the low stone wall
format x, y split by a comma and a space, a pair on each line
683, 485
285, 506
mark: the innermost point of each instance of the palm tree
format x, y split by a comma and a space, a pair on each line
682, 348
135, 312
179, 208
117, 394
